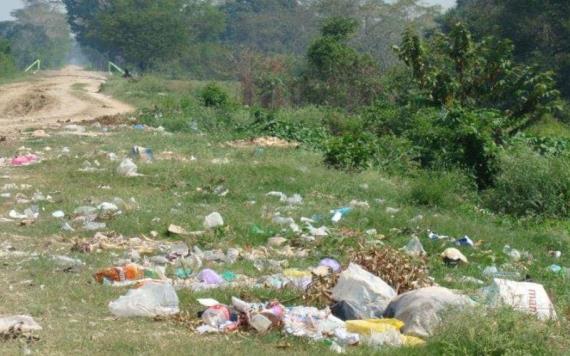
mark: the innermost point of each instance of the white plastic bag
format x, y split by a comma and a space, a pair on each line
18, 323
527, 297
213, 221
421, 309
369, 294
152, 299
127, 168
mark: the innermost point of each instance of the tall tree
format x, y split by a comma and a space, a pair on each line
40, 31
539, 29
134, 32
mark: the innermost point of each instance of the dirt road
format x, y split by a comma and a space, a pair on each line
54, 98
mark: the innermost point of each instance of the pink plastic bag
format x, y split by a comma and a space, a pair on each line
25, 160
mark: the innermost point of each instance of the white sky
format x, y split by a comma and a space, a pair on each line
7, 6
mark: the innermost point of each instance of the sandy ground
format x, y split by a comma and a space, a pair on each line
51, 100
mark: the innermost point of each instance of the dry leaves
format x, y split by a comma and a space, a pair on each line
396, 268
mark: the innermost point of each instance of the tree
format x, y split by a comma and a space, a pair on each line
455, 70
269, 26
40, 31
539, 30
381, 23
134, 32
337, 74
7, 65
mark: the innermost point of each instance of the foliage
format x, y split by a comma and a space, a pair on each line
458, 138
214, 96
143, 33
538, 29
266, 122
6, 61
363, 150
40, 31
531, 184
453, 69
337, 75
441, 189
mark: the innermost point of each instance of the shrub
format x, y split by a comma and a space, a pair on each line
214, 96
350, 152
440, 189
363, 150
458, 138
531, 185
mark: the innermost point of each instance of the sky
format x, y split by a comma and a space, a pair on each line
6, 6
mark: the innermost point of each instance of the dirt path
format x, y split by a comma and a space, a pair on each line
55, 98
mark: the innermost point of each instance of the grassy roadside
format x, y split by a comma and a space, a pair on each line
72, 308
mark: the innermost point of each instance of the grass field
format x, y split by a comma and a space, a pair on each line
72, 307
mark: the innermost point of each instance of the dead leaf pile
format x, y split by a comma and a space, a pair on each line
396, 268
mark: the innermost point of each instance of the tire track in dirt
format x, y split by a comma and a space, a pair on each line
53, 99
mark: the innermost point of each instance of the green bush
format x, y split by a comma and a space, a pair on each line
214, 96
459, 138
363, 150
350, 152
440, 189
531, 185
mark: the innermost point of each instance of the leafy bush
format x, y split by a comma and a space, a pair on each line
531, 185
214, 96
351, 152
458, 138
268, 123
363, 150
440, 189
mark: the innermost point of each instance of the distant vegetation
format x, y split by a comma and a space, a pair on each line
39, 31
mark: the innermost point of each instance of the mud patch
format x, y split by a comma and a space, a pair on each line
30, 103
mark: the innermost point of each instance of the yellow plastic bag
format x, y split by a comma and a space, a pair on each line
296, 273
412, 341
369, 326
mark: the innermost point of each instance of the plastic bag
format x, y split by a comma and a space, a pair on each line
18, 323
527, 297
369, 294
421, 309
152, 299
127, 168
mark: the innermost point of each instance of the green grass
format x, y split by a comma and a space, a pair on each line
72, 308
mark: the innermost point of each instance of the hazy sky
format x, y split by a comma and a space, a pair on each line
6, 6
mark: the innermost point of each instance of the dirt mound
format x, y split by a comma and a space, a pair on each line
30, 103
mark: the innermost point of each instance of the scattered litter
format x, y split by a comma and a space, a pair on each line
526, 297
213, 221
25, 160
465, 241
513, 254
452, 257
415, 248
368, 293
392, 211
338, 214
18, 326
331, 263
177, 230
209, 276
128, 168
152, 299
435, 237
555, 254
144, 154
421, 310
